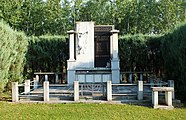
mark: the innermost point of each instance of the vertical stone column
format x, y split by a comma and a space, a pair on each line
46, 90
111, 46
15, 93
155, 98
76, 91
171, 84
114, 44
168, 98
71, 61
56, 78
109, 91
71, 44
46, 77
27, 86
115, 60
140, 90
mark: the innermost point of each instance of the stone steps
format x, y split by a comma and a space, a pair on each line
38, 97
92, 97
53, 95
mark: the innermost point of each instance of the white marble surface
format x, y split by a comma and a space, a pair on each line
85, 45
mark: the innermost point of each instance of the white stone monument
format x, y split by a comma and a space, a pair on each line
93, 53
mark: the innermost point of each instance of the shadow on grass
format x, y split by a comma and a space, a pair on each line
149, 105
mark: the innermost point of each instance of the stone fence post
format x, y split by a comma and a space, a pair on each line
27, 86
37, 78
130, 77
76, 90
46, 77
46, 90
171, 84
15, 93
56, 78
109, 91
140, 90
36, 82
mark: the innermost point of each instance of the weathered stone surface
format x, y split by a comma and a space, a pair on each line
76, 91
15, 92
163, 107
27, 86
90, 45
46, 90
109, 91
162, 88
140, 90
168, 96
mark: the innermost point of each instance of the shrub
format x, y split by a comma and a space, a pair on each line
46, 54
174, 49
13, 46
140, 53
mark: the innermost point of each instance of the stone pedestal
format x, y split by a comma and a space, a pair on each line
115, 71
168, 97
71, 77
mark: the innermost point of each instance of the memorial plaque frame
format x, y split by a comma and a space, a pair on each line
102, 46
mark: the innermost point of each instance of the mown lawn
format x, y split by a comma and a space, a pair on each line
33, 111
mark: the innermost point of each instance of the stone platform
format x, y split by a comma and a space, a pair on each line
98, 92
88, 93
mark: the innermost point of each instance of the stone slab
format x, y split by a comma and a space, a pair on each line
162, 88
163, 107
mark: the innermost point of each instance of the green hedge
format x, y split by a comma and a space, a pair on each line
13, 46
47, 54
140, 53
174, 55
164, 55
136, 52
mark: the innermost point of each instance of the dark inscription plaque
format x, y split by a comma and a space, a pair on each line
102, 45
103, 28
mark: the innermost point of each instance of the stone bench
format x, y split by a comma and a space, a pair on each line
168, 96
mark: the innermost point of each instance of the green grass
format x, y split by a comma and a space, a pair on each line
86, 111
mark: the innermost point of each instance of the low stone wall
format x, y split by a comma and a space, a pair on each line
110, 91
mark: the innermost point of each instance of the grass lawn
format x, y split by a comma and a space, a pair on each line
86, 111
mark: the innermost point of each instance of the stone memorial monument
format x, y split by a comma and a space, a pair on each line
93, 53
